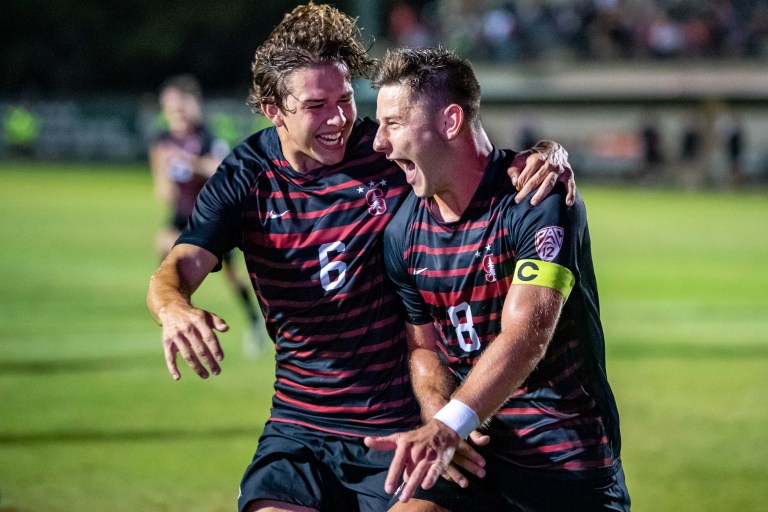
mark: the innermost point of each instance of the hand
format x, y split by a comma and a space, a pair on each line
189, 331
542, 166
421, 456
467, 458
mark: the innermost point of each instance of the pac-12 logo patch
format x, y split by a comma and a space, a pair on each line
549, 241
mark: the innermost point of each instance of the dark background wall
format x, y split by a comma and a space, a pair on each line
79, 47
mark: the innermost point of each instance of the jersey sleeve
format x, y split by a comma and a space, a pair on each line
215, 223
395, 237
547, 243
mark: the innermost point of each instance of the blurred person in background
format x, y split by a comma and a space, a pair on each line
307, 201
183, 156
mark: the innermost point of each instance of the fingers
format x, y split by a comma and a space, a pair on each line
544, 179
381, 443
453, 474
209, 337
425, 473
518, 163
219, 324
396, 469
170, 360
570, 184
469, 459
545, 188
192, 350
194, 338
479, 439
546, 164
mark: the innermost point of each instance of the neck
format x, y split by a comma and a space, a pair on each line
467, 159
298, 161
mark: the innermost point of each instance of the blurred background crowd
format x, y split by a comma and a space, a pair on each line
591, 30
660, 91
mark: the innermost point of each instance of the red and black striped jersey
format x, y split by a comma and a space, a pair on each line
188, 183
313, 248
457, 275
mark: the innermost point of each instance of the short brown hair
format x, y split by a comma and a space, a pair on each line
310, 35
437, 74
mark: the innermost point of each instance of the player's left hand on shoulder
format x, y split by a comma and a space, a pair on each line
541, 167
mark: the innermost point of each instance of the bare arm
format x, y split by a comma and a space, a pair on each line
433, 386
432, 383
158, 163
206, 165
528, 321
186, 329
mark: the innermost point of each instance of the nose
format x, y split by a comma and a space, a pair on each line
380, 141
338, 118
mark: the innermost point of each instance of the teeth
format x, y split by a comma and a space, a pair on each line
330, 138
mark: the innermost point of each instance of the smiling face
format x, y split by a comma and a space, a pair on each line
409, 135
317, 118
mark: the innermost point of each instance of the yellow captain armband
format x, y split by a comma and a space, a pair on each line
544, 273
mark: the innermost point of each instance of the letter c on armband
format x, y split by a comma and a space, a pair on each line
545, 273
522, 268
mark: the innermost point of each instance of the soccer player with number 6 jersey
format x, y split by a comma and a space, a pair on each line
506, 345
307, 201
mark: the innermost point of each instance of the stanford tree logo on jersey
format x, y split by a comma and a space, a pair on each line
490, 268
375, 197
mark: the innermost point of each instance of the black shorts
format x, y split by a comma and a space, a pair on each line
508, 489
328, 472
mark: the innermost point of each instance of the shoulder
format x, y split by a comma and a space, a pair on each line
159, 137
245, 163
397, 230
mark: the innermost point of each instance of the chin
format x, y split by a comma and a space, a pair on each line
326, 159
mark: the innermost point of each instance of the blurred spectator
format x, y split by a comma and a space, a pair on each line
498, 30
183, 156
731, 136
691, 171
505, 31
653, 157
406, 29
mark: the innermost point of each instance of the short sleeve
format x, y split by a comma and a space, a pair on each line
215, 223
549, 234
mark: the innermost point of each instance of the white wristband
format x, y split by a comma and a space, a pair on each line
459, 417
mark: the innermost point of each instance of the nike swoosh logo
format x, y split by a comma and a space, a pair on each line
275, 215
419, 271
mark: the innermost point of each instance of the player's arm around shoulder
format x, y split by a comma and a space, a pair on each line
186, 329
539, 169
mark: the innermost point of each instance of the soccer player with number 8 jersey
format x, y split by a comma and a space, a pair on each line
506, 344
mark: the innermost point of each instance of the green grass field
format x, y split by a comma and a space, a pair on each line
90, 420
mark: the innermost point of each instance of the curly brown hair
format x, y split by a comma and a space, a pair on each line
310, 35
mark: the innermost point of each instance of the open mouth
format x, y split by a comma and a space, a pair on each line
331, 140
409, 168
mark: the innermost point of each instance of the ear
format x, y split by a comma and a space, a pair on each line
453, 121
272, 112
